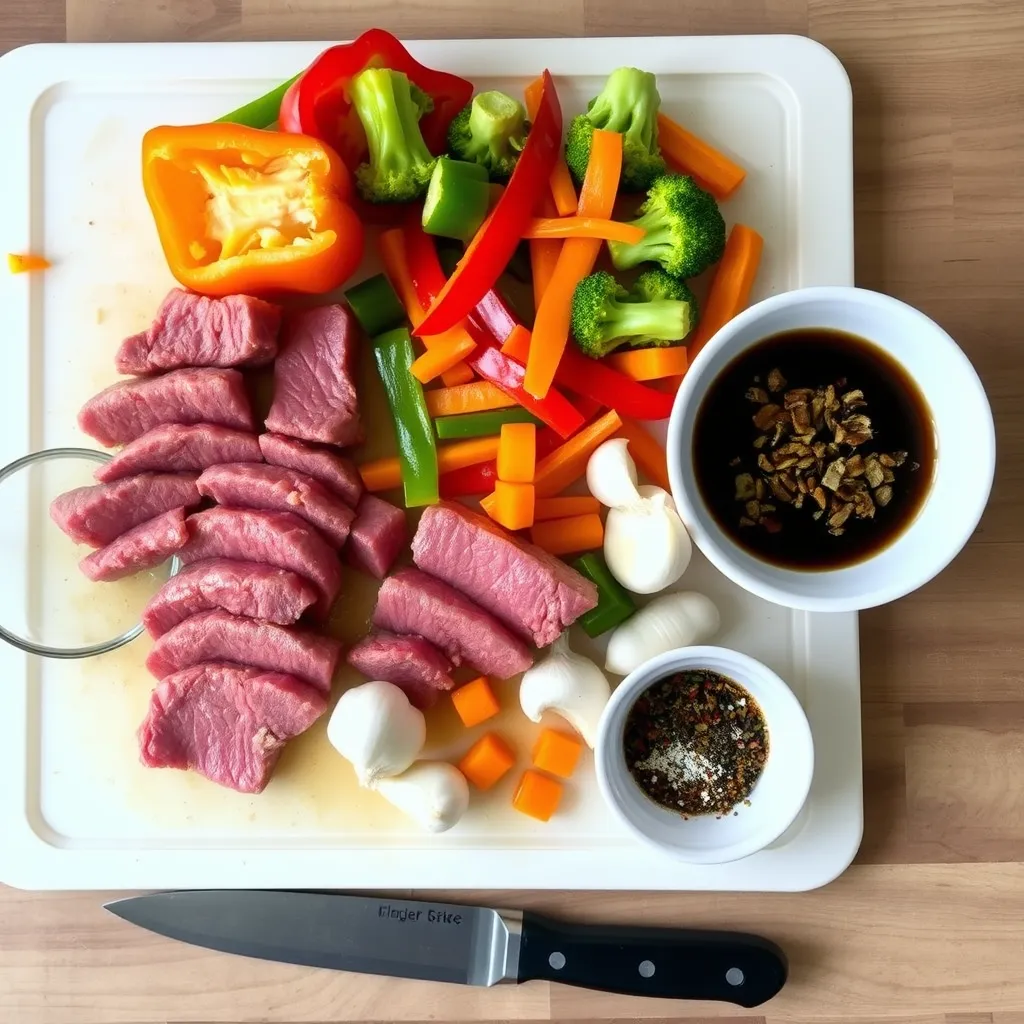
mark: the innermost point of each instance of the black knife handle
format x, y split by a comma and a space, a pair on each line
677, 964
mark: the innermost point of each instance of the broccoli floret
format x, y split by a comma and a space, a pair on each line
628, 104
684, 228
390, 107
490, 131
606, 316
658, 286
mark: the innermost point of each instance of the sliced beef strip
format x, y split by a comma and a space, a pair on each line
195, 330
226, 722
220, 636
314, 387
99, 514
242, 588
532, 592
181, 448
377, 537
143, 547
336, 472
251, 485
411, 602
274, 538
410, 662
126, 410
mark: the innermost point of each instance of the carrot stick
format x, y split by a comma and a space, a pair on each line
544, 254
396, 266
650, 363
551, 326
562, 508
478, 396
517, 345
583, 227
568, 462
562, 189
646, 452
385, 474
567, 536
730, 289
444, 355
712, 169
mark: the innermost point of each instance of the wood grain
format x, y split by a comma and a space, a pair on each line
928, 926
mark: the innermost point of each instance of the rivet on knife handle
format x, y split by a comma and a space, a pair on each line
672, 963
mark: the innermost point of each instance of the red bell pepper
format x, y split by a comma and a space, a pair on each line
488, 254
481, 478
317, 104
487, 361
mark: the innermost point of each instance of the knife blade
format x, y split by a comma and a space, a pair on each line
463, 944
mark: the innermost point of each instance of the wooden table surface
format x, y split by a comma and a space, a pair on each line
928, 925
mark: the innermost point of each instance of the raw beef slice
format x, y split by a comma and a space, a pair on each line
410, 662
242, 588
411, 602
532, 592
314, 389
180, 448
221, 636
99, 514
248, 485
377, 536
126, 410
143, 547
274, 538
336, 472
226, 722
194, 330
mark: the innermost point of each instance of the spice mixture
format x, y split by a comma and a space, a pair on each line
696, 743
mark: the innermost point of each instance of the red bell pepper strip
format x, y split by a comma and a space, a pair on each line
481, 478
487, 361
492, 247
318, 103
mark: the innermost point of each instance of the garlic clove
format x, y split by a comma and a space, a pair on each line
674, 620
646, 545
376, 728
434, 794
611, 474
568, 685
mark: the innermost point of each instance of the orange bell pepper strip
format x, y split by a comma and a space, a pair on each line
711, 169
396, 266
241, 210
551, 326
443, 355
544, 253
563, 192
650, 363
386, 474
584, 227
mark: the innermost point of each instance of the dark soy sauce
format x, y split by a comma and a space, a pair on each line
811, 358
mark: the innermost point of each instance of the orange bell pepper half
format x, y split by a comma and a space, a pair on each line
241, 210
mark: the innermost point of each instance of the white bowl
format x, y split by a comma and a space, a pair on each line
964, 464
775, 800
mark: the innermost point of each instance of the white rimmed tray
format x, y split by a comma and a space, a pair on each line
76, 808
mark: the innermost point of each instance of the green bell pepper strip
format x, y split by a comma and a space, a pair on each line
457, 199
261, 112
375, 305
414, 432
480, 424
614, 605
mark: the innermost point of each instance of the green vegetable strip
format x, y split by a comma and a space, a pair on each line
375, 305
614, 605
457, 199
480, 424
261, 112
417, 453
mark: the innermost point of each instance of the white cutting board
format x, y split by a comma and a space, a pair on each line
76, 808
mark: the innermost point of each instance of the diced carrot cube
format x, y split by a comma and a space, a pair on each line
487, 761
557, 753
537, 795
517, 453
475, 702
513, 505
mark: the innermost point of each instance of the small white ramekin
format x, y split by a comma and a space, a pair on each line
964, 463
777, 797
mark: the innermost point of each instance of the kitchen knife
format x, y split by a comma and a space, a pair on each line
467, 945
